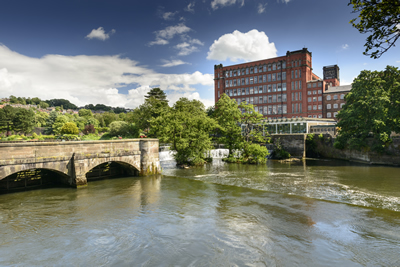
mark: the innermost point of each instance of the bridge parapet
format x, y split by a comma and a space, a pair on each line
76, 158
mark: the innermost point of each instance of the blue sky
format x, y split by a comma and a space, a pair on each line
114, 52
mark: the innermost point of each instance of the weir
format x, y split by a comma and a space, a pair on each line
73, 163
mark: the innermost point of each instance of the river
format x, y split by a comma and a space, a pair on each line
312, 213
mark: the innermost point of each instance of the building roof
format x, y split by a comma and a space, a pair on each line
337, 89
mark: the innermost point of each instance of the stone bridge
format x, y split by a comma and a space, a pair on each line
74, 159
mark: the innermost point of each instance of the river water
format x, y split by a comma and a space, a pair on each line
312, 213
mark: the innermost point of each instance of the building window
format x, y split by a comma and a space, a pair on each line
328, 115
314, 99
273, 77
247, 70
295, 74
274, 88
265, 99
335, 114
335, 105
309, 99
292, 74
278, 76
309, 93
269, 67
328, 106
314, 85
335, 97
308, 85
251, 90
319, 107
251, 70
299, 84
319, 91
309, 107
299, 71
218, 84
283, 64
255, 79
283, 86
328, 97
269, 88
265, 68
320, 98
284, 75
264, 78
255, 69
283, 97
279, 87
315, 107
314, 92
273, 66
218, 94
342, 96
269, 77
319, 84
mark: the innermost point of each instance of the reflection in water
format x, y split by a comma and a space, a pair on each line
314, 213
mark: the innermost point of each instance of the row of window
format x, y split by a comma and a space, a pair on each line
261, 68
271, 109
296, 74
314, 85
315, 116
276, 87
314, 92
329, 115
256, 79
314, 99
314, 107
263, 99
335, 97
257, 69
328, 106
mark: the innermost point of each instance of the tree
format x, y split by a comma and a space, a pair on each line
158, 94
69, 128
124, 129
61, 102
186, 126
252, 131
379, 18
7, 115
85, 113
228, 116
372, 110
24, 120
152, 108
59, 123
43, 104
41, 119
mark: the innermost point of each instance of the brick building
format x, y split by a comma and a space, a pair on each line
333, 99
281, 87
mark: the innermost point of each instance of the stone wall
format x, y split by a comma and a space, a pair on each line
392, 157
295, 144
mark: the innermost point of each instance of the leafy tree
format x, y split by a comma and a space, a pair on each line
109, 117
61, 102
7, 115
228, 116
252, 131
69, 128
151, 109
41, 119
24, 120
85, 113
186, 126
59, 123
158, 94
379, 18
372, 110
43, 104
124, 129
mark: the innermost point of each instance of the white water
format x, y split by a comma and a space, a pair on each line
215, 154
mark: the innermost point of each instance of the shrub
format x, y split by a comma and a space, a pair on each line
69, 128
89, 129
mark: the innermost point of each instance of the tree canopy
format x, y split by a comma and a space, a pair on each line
372, 109
158, 94
380, 19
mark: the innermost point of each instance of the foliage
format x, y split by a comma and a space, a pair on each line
228, 117
158, 94
59, 123
252, 131
89, 129
41, 119
90, 137
7, 115
124, 129
379, 18
186, 126
69, 128
61, 102
85, 113
279, 152
372, 110
24, 120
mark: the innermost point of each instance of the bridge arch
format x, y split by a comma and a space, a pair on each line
33, 178
110, 167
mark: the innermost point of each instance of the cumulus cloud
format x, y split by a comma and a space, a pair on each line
99, 34
261, 8
252, 45
190, 7
168, 33
172, 63
215, 4
89, 79
186, 48
169, 15
345, 46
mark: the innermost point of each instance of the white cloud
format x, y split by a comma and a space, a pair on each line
169, 15
169, 33
284, 1
215, 4
172, 63
189, 47
190, 7
345, 46
261, 8
88, 79
252, 45
99, 34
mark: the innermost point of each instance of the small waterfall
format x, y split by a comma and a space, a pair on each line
166, 155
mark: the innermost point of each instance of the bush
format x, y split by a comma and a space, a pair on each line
124, 129
89, 129
255, 153
279, 152
69, 128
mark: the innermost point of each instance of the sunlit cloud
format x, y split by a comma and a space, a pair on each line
99, 34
